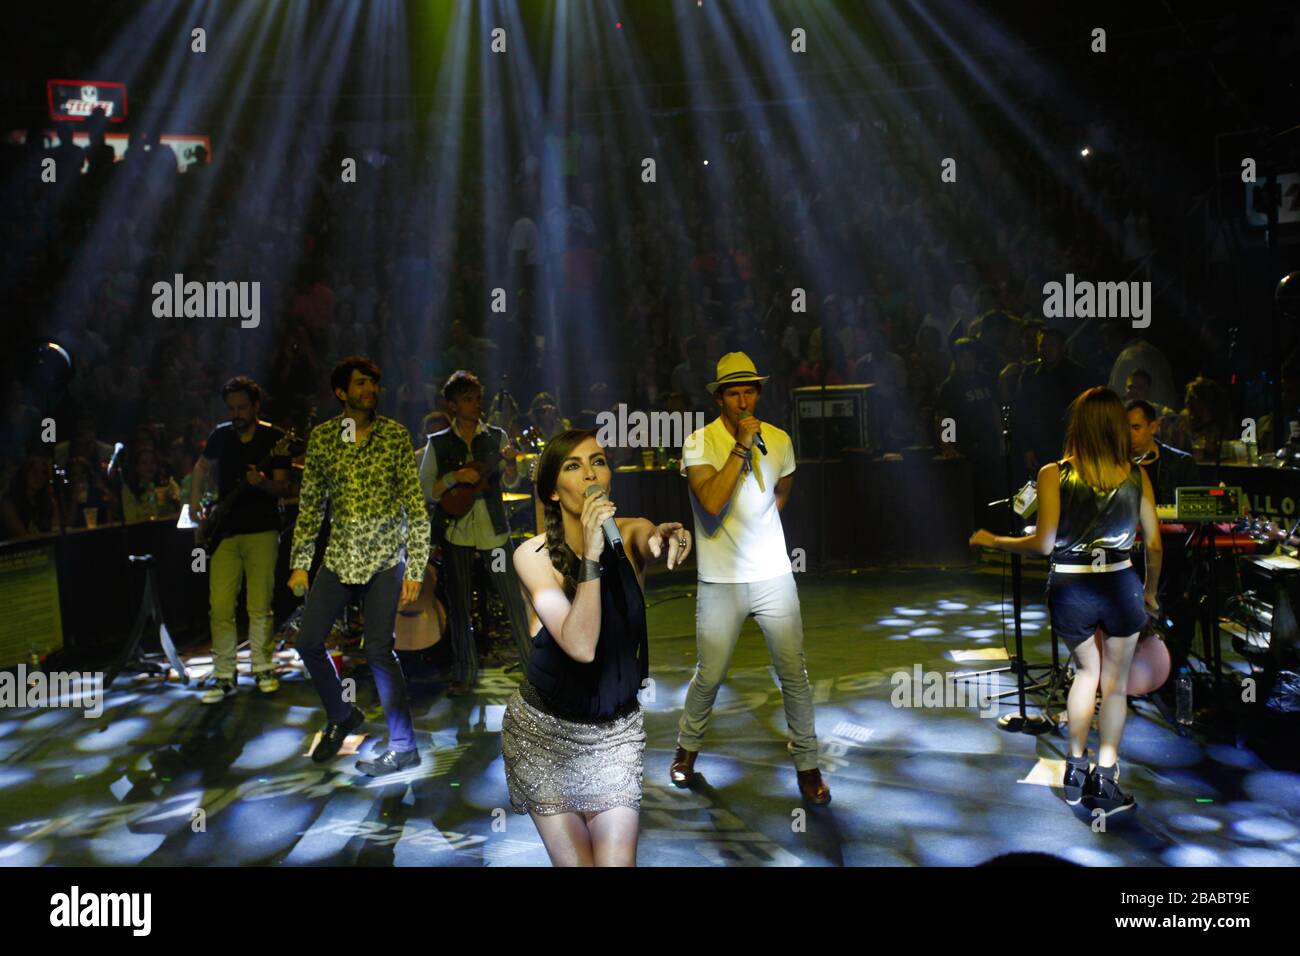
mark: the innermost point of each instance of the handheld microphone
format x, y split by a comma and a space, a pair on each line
609, 525
758, 436
111, 472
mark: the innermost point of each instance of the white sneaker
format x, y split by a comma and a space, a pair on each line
268, 683
218, 692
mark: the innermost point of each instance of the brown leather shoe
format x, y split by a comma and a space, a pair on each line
813, 788
683, 768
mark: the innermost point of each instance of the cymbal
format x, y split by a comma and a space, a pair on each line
515, 496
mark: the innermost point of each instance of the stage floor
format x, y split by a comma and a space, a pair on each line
161, 779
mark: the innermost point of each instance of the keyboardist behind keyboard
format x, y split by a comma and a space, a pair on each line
1167, 467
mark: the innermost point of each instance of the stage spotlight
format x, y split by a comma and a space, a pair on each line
706, 162
1085, 152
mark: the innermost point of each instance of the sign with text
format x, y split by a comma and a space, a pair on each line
29, 593
76, 99
1289, 209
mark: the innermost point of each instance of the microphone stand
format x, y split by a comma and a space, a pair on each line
824, 559
1019, 721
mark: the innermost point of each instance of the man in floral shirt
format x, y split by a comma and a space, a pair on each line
363, 465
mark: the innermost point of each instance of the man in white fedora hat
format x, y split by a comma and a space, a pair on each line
741, 472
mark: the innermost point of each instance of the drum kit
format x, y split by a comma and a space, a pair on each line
530, 444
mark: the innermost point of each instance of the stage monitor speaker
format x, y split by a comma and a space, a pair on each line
840, 413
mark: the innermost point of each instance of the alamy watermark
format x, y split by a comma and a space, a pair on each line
639, 429
936, 689
1098, 300
56, 689
208, 300
77, 909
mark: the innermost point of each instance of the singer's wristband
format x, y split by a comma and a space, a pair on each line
589, 571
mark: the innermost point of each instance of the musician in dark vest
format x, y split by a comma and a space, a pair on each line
472, 456
243, 451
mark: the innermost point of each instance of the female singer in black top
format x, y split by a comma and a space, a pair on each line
572, 736
1090, 505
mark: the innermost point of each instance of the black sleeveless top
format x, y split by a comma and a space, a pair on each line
607, 687
1092, 519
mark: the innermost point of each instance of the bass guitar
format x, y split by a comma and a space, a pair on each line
215, 524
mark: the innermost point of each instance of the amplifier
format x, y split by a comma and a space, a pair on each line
1208, 504
840, 413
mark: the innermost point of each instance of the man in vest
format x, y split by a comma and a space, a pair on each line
462, 455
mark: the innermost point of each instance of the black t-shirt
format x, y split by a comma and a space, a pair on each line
1172, 470
255, 510
973, 402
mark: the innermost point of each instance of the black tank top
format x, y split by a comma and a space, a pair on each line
1092, 519
607, 687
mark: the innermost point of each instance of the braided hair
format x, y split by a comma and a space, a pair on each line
558, 448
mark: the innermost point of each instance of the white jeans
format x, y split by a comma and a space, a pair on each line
720, 611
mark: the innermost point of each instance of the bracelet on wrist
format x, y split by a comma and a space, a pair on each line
589, 571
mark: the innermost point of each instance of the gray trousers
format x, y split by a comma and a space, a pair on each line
720, 611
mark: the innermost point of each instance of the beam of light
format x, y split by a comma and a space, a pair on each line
535, 120
503, 204
421, 292
113, 736
620, 105
231, 69
162, 23
272, 747
1050, 155
271, 182
568, 315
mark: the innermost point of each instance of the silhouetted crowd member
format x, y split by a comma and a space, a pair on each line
147, 493
371, 270
1042, 404
87, 489
969, 399
1205, 421
30, 506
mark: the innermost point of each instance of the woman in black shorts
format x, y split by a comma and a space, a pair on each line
1089, 506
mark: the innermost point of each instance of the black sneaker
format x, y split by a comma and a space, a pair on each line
331, 738
390, 761
1101, 792
1076, 775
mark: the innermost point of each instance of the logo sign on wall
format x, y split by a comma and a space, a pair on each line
77, 99
1288, 211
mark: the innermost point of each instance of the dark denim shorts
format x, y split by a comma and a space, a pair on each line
1080, 603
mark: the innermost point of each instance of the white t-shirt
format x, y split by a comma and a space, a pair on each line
746, 542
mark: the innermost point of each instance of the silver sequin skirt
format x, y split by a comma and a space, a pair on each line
555, 765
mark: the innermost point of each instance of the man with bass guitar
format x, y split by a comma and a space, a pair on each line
463, 471
242, 533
